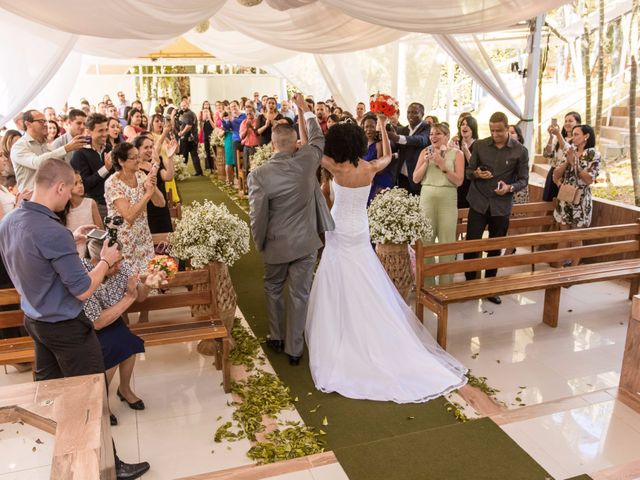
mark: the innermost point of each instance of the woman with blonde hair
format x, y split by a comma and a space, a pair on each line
440, 171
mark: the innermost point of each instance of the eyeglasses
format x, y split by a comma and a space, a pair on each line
41, 121
133, 158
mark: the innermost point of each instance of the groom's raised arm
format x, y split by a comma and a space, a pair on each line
310, 131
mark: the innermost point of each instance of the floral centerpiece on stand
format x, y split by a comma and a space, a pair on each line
217, 145
261, 156
395, 222
209, 236
180, 166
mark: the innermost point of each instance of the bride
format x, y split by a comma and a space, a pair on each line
364, 341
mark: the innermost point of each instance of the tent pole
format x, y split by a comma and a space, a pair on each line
533, 67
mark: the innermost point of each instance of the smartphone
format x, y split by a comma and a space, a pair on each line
554, 122
97, 234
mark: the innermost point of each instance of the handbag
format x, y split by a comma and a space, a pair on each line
570, 193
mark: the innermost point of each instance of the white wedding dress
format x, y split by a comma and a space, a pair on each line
364, 341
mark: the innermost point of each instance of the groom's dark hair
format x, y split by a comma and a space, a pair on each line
285, 138
345, 142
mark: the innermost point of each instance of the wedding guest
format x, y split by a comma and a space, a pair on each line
81, 211
217, 115
114, 135
440, 170
120, 288
464, 141
32, 149
207, 125
361, 109
19, 123
332, 120
409, 142
257, 102
555, 148
144, 123
127, 193
134, 125
53, 131
431, 120
102, 108
64, 340
498, 168
187, 125
158, 217
112, 112
337, 111
168, 150
322, 112
74, 128
249, 137
521, 196
122, 104
269, 118
580, 168
137, 104
50, 114
8, 197
95, 164
286, 111
384, 178
6, 144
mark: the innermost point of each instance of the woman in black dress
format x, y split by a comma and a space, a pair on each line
159, 217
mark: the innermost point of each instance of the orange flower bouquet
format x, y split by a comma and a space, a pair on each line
384, 104
163, 263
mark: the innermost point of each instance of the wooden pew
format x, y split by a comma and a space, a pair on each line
611, 240
525, 218
182, 328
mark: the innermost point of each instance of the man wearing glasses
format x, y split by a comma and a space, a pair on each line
122, 104
32, 149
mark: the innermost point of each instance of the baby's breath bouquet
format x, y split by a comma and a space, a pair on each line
180, 166
395, 217
217, 138
261, 156
209, 233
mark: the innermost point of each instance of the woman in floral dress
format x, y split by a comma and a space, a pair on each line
127, 193
580, 168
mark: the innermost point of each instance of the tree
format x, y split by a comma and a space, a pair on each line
600, 93
586, 64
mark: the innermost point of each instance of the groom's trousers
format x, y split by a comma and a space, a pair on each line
299, 275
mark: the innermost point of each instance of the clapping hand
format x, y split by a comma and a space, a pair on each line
156, 279
108, 162
571, 157
23, 195
132, 285
173, 146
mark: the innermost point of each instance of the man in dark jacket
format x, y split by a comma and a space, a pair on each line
408, 142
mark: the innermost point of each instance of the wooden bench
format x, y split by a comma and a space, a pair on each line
611, 240
529, 217
183, 328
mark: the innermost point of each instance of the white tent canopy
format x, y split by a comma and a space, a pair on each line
41, 38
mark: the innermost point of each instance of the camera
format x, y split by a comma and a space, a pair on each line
112, 224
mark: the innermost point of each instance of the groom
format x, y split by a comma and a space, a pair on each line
288, 213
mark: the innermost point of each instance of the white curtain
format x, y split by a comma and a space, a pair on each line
313, 28
236, 47
342, 75
142, 19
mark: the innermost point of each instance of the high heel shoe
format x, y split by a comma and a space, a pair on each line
139, 405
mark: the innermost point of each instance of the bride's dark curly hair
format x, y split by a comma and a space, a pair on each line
345, 142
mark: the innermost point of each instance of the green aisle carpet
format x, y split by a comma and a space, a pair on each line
377, 440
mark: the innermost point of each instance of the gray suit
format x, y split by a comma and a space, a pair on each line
288, 212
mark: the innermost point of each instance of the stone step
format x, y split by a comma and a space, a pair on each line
620, 111
618, 134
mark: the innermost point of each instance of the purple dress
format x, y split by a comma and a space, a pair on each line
382, 180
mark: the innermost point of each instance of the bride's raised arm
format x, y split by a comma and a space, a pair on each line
385, 159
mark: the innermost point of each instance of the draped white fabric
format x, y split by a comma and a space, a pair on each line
148, 19
236, 47
343, 77
313, 28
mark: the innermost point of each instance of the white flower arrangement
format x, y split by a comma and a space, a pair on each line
261, 156
209, 233
395, 217
217, 138
180, 167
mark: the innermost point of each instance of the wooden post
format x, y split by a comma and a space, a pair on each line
629, 387
551, 306
419, 279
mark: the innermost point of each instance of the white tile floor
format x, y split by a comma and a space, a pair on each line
508, 344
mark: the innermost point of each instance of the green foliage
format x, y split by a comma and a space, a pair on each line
247, 347
293, 442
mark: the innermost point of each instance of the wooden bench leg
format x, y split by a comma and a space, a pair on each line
419, 311
634, 287
218, 355
551, 306
443, 317
226, 367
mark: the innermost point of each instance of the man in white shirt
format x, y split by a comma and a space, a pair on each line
122, 105
31, 150
74, 127
286, 110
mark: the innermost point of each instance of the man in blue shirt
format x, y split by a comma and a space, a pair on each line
41, 258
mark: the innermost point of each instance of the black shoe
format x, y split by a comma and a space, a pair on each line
139, 405
275, 345
294, 360
129, 471
113, 420
497, 300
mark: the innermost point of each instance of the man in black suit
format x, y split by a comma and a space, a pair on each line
94, 163
409, 141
